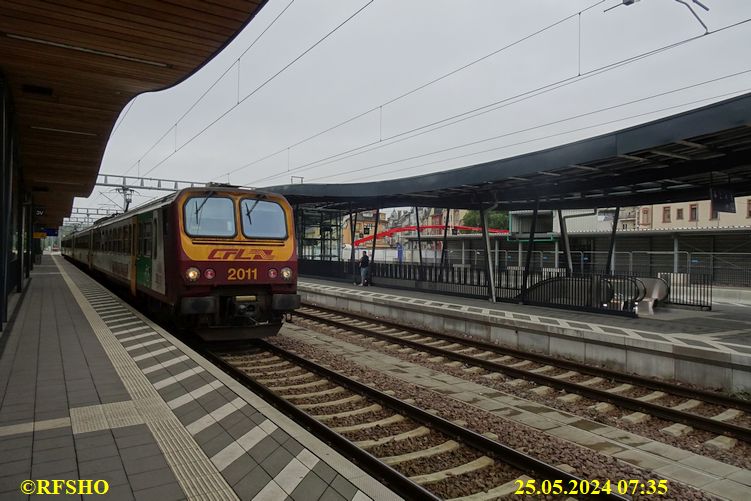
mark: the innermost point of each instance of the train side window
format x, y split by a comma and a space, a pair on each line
154, 243
139, 241
148, 230
126, 239
145, 231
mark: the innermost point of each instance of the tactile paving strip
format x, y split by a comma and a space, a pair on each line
104, 416
194, 471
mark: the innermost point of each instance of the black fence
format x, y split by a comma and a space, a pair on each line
594, 292
689, 289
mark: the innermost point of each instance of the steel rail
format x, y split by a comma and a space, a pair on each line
501, 452
681, 391
403, 485
667, 413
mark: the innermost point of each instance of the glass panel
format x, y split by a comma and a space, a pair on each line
210, 217
262, 219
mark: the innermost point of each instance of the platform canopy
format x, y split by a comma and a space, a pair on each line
674, 159
73, 65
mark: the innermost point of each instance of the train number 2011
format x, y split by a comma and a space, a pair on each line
242, 274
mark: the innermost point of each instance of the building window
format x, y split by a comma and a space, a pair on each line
679, 214
693, 212
666, 214
713, 214
748, 208
645, 216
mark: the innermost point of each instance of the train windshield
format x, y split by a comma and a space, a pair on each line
262, 219
210, 217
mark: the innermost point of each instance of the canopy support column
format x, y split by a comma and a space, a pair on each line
530, 250
372, 252
610, 265
352, 224
419, 243
488, 257
445, 239
566, 246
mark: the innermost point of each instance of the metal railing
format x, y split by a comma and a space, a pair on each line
617, 294
724, 269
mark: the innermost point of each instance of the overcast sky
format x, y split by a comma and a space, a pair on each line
551, 88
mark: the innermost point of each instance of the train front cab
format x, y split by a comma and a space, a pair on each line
237, 263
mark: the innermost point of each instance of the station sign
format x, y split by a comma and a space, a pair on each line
39, 234
39, 211
51, 232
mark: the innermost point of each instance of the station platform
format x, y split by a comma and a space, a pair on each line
90, 389
706, 348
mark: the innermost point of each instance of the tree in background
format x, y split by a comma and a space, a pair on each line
496, 219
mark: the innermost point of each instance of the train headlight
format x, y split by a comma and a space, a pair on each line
273, 273
286, 273
209, 273
192, 274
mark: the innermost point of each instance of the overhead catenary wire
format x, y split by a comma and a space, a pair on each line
568, 131
467, 115
261, 86
418, 88
196, 102
550, 136
554, 122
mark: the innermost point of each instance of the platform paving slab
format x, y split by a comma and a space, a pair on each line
89, 363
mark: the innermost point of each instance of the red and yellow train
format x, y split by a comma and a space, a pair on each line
219, 260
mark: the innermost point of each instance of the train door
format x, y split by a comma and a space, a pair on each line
157, 252
143, 251
90, 249
133, 246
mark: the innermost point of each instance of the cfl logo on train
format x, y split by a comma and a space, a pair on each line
240, 254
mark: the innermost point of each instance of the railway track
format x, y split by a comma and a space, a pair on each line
694, 408
416, 453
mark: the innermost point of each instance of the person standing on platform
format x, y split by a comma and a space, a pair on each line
364, 268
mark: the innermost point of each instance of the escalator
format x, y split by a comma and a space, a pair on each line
616, 294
